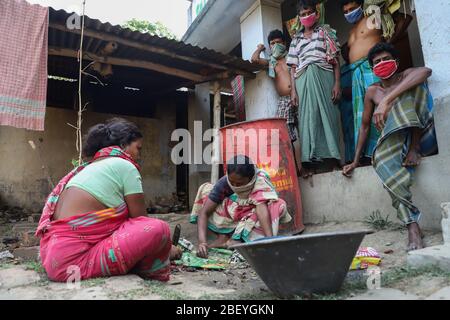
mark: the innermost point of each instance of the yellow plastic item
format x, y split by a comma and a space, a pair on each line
395, 6
365, 258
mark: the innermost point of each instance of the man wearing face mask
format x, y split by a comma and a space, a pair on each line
363, 36
315, 73
400, 107
280, 72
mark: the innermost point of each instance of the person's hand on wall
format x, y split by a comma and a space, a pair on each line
348, 169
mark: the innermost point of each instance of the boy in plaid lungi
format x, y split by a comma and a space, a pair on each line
400, 107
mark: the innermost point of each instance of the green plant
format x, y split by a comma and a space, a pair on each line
395, 275
35, 266
163, 291
378, 222
153, 28
93, 282
75, 163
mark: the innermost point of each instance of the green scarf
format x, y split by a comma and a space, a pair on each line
278, 52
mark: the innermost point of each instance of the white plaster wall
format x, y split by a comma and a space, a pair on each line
433, 20
251, 31
256, 24
332, 197
261, 97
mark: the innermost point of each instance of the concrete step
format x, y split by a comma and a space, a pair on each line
438, 256
385, 294
443, 294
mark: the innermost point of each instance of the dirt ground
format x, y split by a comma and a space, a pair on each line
239, 282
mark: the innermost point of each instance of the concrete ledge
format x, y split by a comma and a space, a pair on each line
333, 197
438, 256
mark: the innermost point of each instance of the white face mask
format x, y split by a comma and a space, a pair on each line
244, 191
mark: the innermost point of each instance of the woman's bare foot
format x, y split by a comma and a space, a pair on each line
220, 242
175, 253
414, 237
412, 158
232, 242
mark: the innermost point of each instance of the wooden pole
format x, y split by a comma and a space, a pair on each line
80, 106
216, 140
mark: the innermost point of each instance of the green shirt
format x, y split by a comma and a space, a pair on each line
109, 180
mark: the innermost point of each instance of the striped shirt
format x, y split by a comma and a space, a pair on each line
305, 51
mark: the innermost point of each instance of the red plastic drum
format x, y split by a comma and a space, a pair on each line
268, 144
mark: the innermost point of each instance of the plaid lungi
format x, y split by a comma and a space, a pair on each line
413, 109
286, 111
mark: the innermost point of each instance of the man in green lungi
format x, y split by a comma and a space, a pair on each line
314, 58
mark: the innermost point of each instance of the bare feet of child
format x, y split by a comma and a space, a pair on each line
220, 242
231, 243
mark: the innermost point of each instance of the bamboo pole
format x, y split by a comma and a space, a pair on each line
216, 140
80, 105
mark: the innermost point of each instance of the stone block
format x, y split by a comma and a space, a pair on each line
438, 256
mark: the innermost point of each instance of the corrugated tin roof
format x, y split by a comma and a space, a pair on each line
178, 55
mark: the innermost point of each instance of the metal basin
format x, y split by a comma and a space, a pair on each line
306, 264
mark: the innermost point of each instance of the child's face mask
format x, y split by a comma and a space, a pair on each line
278, 50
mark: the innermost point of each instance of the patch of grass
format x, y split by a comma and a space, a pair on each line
164, 291
6, 265
348, 288
93, 282
129, 295
396, 275
388, 279
377, 222
397, 227
211, 297
35, 266
263, 295
43, 282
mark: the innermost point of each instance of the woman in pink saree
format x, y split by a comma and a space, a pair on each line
95, 218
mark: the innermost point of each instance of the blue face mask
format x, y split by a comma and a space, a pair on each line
354, 16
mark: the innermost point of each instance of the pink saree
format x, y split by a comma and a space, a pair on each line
102, 243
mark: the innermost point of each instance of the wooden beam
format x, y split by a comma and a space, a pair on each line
148, 48
216, 141
129, 63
